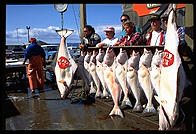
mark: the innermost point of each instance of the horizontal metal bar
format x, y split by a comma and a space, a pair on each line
139, 46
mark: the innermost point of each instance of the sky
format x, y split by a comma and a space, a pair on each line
43, 20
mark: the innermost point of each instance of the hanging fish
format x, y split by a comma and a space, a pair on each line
144, 79
92, 68
173, 78
110, 79
155, 71
132, 79
100, 72
65, 65
121, 75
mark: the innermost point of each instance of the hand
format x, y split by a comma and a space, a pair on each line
116, 44
81, 46
100, 44
122, 44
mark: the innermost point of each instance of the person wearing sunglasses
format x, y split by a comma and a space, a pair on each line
123, 19
132, 37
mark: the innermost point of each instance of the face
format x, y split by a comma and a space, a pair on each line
155, 25
109, 34
123, 19
86, 32
129, 29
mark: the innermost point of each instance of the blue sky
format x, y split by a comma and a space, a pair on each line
43, 20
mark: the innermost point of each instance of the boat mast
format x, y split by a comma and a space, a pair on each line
82, 19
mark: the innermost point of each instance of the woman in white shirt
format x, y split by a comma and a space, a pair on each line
110, 40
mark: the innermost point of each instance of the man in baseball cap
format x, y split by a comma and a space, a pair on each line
154, 17
109, 29
110, 39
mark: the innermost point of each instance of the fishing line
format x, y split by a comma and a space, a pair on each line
75, 19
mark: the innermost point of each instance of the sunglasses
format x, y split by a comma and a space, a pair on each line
123, 20
85, 31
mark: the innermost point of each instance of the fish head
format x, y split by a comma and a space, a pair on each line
93, 57
134, 59
109, 56
63, 89
88, 56
167, 120
168, 114
156, 59
100, 55
146, 57
122, 56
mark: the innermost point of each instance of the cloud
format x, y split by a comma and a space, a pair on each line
49, 35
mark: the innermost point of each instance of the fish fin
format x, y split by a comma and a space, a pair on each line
92, 90
159, 100
126, 102
62, 81
149, 109
98, 94
138, 108
116, 111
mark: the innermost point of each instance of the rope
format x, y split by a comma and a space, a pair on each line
75, 19
62, 20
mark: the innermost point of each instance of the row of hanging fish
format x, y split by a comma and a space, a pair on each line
145, 75
119, 74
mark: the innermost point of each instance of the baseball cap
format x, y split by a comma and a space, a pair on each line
110, 28
154, 17
32, 39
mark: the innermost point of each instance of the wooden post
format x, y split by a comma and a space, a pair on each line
82, 19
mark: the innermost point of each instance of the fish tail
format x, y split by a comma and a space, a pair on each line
105, 93
137, 108
62, 81
116, 111
98, 94
149, 109
92, 90
126, 102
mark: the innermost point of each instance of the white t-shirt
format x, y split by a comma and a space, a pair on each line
155, 40
110, 42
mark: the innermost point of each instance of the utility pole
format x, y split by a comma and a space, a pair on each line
17, 33
28, 28
82, 19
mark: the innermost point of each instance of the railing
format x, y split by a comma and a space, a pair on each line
129, 49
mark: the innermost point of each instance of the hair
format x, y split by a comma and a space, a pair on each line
90, 28
125, 16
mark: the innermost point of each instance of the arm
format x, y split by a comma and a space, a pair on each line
95, 39
120, 42
136, 39
24, 61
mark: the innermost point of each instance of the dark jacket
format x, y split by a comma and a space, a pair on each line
91, 41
